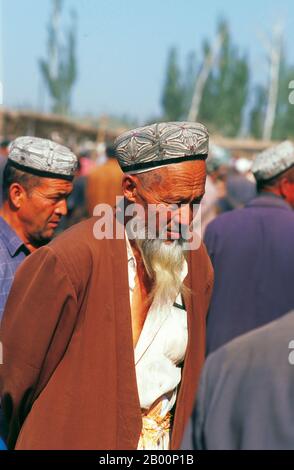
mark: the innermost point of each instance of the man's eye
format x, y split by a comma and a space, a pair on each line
55, 198
60, 197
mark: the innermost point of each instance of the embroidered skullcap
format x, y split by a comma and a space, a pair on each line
273, 161
157, 145
42, 157
218, 157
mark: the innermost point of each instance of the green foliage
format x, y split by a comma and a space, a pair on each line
189, 79
173, 97
59, 71
226, 89
224, 103
284, 122
225, 92
284, 118
257, 112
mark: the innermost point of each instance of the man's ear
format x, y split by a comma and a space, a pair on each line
17, 194
129, 187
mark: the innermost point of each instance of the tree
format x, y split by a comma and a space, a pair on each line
257, 112
210, 56
189, 79
274, 53
59, 71
283, 127
226, 88
282, 124
173, 96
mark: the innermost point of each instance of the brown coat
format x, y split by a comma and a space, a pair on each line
103, 185
68, 379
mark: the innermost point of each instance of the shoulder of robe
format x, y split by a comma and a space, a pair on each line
77, 248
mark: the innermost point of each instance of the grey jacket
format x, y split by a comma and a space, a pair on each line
246, 395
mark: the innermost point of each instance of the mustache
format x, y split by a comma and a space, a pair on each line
138, 230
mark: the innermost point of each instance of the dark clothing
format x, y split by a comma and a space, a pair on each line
12, 253
68, 380
252, 252
245, 399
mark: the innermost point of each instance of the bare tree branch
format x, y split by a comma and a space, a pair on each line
203, 76
275, 53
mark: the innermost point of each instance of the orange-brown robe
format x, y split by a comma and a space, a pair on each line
104, 184
68, 380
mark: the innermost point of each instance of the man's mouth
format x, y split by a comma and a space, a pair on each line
54, 223
173, 235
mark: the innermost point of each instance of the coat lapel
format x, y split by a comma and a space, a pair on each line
152, 325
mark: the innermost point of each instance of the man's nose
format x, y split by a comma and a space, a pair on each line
182, 215
61, 208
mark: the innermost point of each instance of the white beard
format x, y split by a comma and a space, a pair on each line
164, 264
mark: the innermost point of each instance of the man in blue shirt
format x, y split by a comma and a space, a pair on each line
12, 252
37, 180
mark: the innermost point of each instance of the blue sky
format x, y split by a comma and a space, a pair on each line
123, 45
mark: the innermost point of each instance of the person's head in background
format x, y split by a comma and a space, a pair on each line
274, 171
218, 163
36, 183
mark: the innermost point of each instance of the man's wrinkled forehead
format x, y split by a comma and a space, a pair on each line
55, 185
176, 180
192, 171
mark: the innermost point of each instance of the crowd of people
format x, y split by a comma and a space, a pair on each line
133, 337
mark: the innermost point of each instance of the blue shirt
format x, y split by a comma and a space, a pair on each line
12, 252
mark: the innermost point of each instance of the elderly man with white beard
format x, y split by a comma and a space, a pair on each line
104, 331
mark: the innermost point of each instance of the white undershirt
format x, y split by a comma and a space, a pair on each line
160, 349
